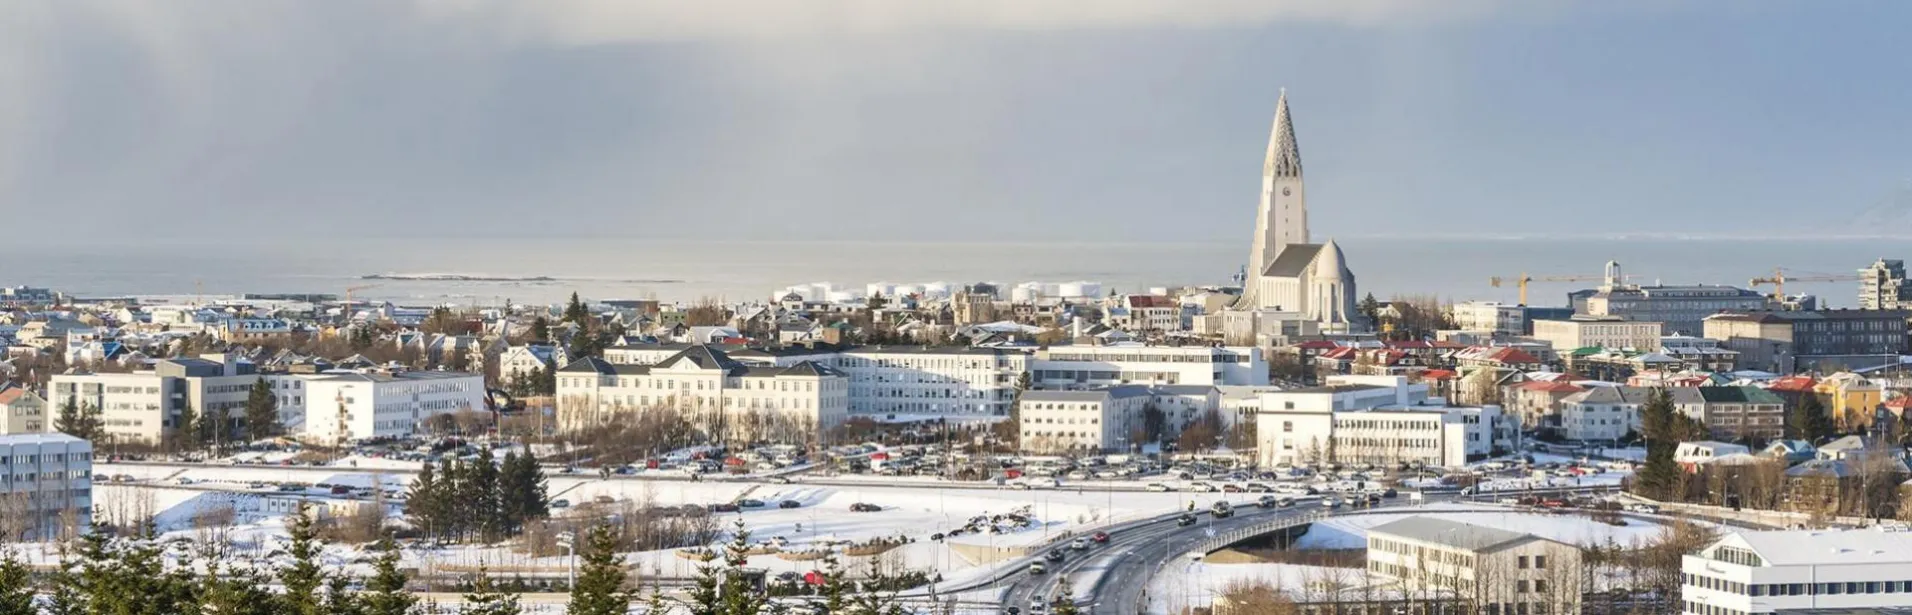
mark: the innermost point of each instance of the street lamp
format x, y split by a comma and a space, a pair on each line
568, 540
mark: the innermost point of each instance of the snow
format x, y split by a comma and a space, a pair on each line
1351, 531
1184, 584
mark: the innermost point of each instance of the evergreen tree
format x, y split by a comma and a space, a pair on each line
63, 594
128, 580
835, 589
210, 429
226, 591
738, 597
186, 430
303, 577
548, 379
1065, 600
1808, 420
484, 497
601, 578
78, 420
537, 496
575, 312
541, 330
16, 587
511, 494
262, 411
485, 599
1659, 421
1371, 309
339, 599
424, 503
385, 591
451, 492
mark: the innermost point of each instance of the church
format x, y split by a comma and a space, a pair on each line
1291, 287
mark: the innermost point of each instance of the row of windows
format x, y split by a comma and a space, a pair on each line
1798, 589
1696, 608
1070, 421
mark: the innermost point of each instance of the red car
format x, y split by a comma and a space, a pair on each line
1100, 537
1554, 503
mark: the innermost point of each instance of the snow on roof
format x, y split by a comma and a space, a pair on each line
1450, 533
1844, 547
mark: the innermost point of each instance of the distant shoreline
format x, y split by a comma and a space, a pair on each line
461, 277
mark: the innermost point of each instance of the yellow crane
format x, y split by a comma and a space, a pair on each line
1522, 280
346, 312
1780, 277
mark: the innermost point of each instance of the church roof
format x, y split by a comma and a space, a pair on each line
1294, 259
1284, 155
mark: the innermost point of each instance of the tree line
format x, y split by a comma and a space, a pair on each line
459, 501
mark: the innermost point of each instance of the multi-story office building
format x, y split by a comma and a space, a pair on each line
1078, 421
1375, 419
1490, 316
951, 381
1784, 571
1604, 332
46, 486
786, 403
1116, 364
1681, 309
1785, 341
1882, 286
1497, 571
341, 408
145, 406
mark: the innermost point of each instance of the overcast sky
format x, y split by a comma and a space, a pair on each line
1082, 120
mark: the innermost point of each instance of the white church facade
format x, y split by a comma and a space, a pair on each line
1290, 287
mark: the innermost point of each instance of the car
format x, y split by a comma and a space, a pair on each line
1553, 503
779, 480
1232, 488
1037, 568
1508, 500
1185, 520
1267, 501
1330, 503
865, 507
790, 504
560, 503
1079, 544
1390, 493
1038, 607
750, 503
724, 507
1100, 537
1055, 555
1158, 487
1201, 488
341, 490
1644, 509
1221, 510
1260, 488
604, 499
185, 481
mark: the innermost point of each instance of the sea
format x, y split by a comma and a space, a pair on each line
489, 272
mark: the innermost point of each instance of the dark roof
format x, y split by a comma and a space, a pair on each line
1752, 395
1294, 259
590, 365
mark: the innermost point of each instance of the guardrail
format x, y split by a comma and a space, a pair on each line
1237, 535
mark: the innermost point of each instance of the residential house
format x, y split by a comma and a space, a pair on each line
1733, 412
22, 411
1690, 454
1603, 413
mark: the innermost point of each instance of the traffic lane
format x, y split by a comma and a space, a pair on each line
1028, 587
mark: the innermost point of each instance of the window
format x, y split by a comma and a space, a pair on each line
1540, 561
1520, 587
1523, 564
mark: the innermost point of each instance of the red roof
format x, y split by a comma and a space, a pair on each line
10, 394
1507, 355
1438, 374
1900, 403
1792, 384
1339, 354
1151, 301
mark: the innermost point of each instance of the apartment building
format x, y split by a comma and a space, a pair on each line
350, 407
949, 381
1602, 413
1882, 286
1733, 412
22, 411
787, 403
1086, 366
1786, 341
1751, 572
46, 481
1498, 572
1490, 317
1609, 332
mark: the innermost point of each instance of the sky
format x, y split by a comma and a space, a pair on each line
1009, 120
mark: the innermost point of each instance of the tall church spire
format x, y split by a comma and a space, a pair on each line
1284, 155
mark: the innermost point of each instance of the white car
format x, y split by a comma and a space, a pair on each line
1159, 487
1202, 488
1079, 544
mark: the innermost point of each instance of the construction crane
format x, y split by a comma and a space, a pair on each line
1781, 277
345, 313
1522, 280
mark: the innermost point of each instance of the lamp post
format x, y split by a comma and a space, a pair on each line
568, 540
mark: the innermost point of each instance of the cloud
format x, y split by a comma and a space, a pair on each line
620, 21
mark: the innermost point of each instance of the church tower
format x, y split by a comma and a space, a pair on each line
1282, 218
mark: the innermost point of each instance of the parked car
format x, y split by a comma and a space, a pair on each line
790, 504
560, 503
1159, 487
750, 503
865, 507
1201, 488
724, 507
1644, 509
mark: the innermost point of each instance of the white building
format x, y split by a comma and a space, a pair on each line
786, 403
45, 478
21, 411
1602, 413
1498, 571
1286, 275
349, 407
912, 380
1087, 366
1610, 332
1690, 453
144, 406
1490, 316
1746, 572
523, 361
1077, 421
1375, 419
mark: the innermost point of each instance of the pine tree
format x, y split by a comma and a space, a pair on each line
1808, 420
303, 577
186, 429
655, 603
424, 502
537, 496
16, 587
226, 591
484, 500
575, 312
511, 494
77, 420
262, 411
485, 599
451, 491
601, 577
385, 592
63, 594
1065, 600
737, 595
1660, 422
339, 598
541, 330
